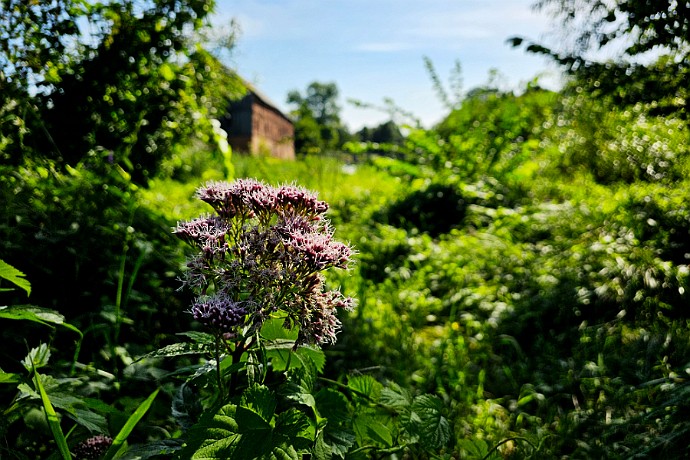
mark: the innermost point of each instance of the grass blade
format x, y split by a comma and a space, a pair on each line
53, 420
132, 421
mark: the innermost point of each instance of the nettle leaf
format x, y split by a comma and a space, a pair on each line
428, 422
334, 441
259, 400
293, 428
14, 276
248, 431
334, 404
336, 437
365, 385
213, 437
179, 349
395, 397
299, 387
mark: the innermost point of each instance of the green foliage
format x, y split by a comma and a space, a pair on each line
317, 118
14, 276
625, 31
125, 93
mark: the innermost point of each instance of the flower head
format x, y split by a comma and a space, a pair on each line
93, 447
262, 255
219, 312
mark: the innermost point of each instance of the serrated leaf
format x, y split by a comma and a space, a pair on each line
431, 426
179, 349
14, 276
294, 428
260, 400
395, 397
283, 356
220, 447
38, 357
299, 386
365, 385
334, 405
340, 440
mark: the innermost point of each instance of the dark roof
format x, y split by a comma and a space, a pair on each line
265, 100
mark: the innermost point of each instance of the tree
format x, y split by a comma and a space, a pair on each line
385, 133
318, 108
640, 26
125, 94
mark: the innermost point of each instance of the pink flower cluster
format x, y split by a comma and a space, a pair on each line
261, 256
251, 198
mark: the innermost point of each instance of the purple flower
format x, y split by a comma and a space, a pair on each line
268, 244
219, 312
298, 200
207, 233
313, 245
93, 447
319, 324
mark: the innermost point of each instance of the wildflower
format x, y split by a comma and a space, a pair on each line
219, 312
263, 254
207, 233
93, 447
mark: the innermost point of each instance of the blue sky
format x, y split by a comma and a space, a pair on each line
374, 49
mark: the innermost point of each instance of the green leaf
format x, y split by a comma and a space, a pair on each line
199, 337
32, 313
179, 349
283, 356
259, 400
119, 440
298, 387
53, 420
396, 398
250, 431
6, 377
336, 437
334, 405
38, 357
273, 330
186, 406
476, 448
294, 428
13, 275
428, 421
365, 385
369, 428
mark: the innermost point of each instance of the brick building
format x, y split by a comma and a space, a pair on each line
255, 125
